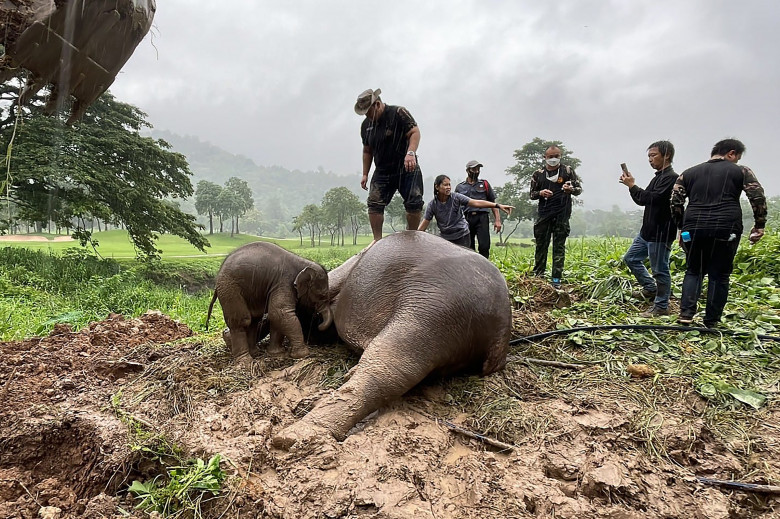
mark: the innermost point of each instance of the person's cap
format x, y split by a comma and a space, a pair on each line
365, 100
474, 164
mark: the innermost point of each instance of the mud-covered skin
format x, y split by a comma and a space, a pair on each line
262, 278
415, 306
75, 46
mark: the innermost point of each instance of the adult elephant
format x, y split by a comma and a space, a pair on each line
259, 278
415, 305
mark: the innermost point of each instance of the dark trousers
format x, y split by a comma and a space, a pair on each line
557, 228
479, 228
715, 259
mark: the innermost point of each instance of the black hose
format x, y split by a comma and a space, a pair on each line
566, 331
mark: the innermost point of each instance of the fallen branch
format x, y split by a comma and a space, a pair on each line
542, 362
465, 432
736, 485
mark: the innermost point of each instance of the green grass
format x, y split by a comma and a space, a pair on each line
116, 244
734, 375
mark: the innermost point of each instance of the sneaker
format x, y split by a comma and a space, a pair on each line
685, 320
644, 294
556, 283
654, 312
711, 324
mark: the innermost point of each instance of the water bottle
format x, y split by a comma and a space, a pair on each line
685, 236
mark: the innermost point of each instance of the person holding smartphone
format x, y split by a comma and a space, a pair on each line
553, 185
658, 231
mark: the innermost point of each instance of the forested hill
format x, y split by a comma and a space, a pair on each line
279, 193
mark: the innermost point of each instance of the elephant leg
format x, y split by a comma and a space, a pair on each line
284, 321
381, 376
275, 347
238, 320
252, 337
240, 347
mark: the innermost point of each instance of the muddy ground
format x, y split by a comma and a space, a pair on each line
85, 413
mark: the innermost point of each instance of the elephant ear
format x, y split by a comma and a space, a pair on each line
303, 282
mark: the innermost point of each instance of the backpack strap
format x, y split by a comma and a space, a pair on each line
485, 184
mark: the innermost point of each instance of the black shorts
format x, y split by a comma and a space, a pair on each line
383, 186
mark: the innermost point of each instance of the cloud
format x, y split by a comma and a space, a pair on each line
277, 82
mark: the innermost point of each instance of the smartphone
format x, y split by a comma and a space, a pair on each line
623, 167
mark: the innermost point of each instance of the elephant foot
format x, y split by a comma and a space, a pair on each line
275, 350
299, 352
301, 435
244, 362
254, 351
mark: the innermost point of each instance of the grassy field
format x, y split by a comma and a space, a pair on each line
63, 284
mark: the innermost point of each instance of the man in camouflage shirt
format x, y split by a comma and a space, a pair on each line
553, 185
713, 221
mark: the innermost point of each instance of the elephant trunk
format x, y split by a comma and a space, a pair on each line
327, 318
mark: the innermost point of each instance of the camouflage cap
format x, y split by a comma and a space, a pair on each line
473, 164
365, 100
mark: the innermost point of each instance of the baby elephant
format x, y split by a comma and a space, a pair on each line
259, 278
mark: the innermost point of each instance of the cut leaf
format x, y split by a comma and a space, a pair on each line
751, 398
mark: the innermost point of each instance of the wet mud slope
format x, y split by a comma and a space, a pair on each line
86, 413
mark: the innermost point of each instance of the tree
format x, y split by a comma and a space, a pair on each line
311, 218
528, 159
206, 197
102, 167
225, 207
242, 200
395, 213
338, 205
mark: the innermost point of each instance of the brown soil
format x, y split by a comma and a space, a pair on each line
67, 449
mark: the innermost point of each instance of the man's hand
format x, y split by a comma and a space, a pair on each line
497, 226
364, 181
568, 188
755, 235
627, 179
545, 193
410, 162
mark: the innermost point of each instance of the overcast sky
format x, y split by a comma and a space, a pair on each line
277, 81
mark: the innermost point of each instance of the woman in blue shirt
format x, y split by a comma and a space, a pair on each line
447, 207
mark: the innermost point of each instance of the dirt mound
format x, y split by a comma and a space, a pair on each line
84, 410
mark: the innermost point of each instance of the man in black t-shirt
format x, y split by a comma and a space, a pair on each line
390, 139
553, 185
658, 231
712, 224
477, 217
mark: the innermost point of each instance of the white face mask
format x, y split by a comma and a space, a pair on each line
552, 162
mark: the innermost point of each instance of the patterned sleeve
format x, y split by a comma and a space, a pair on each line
755, 195
576, 183
407, 121
677, 202
535, 185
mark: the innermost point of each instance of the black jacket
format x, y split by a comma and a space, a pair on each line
657, 223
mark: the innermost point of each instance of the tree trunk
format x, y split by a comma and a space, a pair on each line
211, 222
237, 231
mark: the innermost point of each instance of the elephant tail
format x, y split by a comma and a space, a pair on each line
211, 307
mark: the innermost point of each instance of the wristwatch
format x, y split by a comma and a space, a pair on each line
410, 152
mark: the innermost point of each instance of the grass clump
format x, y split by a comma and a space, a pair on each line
182, 490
